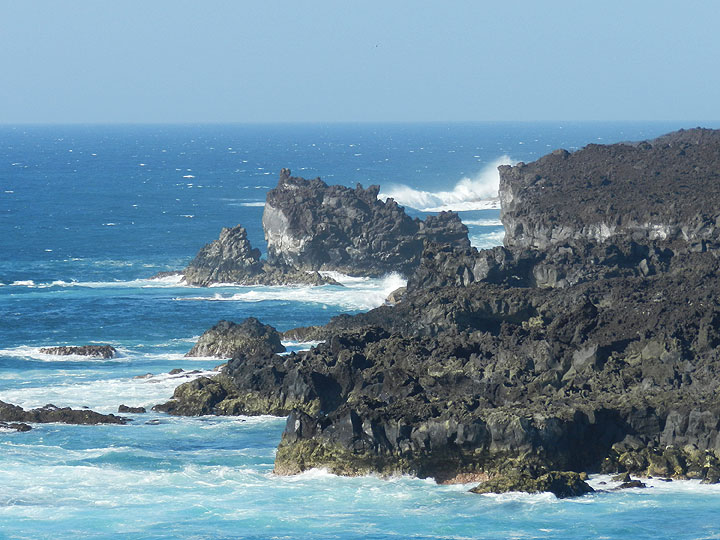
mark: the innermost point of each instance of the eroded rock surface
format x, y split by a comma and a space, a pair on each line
554, 353
231, 259
227, 339
97, 351
663, 189
312, 226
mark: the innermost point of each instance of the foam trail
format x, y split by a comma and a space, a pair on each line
175, 280
355, 294
477, 193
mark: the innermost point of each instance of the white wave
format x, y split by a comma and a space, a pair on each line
477, 193
487, 240
356, 294
161, 282
34, 353
483, 222
103, 395
254, 203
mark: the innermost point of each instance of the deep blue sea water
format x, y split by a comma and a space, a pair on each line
89, 213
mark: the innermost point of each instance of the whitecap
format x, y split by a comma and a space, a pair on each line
477, 193
254, 203
23, 283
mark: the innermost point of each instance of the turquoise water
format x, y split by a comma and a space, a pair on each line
89, 213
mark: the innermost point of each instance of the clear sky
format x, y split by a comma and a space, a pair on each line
334, 60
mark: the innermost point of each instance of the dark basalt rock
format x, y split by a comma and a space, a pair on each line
96, 351
131, 410
655, 190
231, 259
312, 226
227, 339
593, 353
14, 426
631, 484
51, 413
559, 483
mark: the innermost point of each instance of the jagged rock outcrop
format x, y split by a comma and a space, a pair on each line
511, 365
227, 339
312, 226
96, 351
51, 413
231, 259
663, 189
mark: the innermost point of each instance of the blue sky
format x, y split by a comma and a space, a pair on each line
333, 61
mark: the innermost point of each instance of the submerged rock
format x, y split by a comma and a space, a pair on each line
51, 413
96, 351
559, 483
227, 339
131, 410
14, 426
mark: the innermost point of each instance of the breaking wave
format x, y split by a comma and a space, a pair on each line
477, 193
487, 240
356, 293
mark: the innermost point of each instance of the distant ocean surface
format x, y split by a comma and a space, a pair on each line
89, 213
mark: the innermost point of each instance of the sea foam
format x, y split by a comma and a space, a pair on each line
356, 294
477, 193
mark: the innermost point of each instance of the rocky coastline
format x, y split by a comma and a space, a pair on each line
589, 342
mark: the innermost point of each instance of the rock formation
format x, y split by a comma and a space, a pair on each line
231, 259
97, 351
51, 413
664, 189
227, 339
567, 350
312, 226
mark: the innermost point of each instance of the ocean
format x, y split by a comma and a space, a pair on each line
88, 214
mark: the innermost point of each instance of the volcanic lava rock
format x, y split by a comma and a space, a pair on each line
557, 352
312, 226
51, 413
663, 189
227, 339
131, 410
559, 483
20, 427
231, 259
96, 351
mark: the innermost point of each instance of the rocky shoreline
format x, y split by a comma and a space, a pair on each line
590, 342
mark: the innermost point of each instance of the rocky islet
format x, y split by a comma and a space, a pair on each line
312, 227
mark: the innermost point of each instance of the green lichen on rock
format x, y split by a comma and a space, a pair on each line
562, 484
